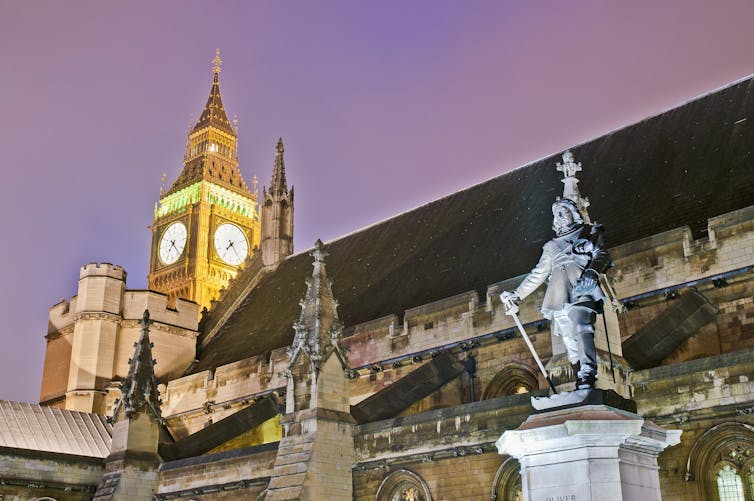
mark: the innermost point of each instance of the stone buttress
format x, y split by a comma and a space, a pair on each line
316, 453
131, 468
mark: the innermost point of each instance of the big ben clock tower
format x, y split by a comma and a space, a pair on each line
207, 222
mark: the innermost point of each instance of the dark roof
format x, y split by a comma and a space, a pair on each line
212, 168
675, 169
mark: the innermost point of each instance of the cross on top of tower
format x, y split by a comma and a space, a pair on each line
216, 62
569, 168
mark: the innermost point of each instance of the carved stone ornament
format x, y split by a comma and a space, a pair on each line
318, 328
403, 485
139, 388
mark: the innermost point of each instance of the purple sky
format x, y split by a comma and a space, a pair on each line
383, 106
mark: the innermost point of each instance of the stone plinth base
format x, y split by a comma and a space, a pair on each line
314, 458
588, 453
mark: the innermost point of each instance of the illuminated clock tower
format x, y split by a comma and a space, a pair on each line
207, 222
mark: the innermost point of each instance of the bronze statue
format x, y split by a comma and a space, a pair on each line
571, 263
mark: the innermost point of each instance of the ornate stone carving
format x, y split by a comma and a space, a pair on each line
403, 485
139, 388
318, 329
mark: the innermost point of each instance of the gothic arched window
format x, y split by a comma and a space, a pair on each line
722, 462
507, 483
403, 485
730, 487
510, 381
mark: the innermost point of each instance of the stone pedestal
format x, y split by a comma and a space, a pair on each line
591, 452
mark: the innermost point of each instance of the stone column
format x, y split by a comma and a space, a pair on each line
591, 452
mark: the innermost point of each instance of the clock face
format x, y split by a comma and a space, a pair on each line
172, 243
231, 244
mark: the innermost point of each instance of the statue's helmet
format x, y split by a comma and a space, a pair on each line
558, 226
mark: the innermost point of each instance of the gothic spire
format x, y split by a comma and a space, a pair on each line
278, 184
139, 388
569, 168
318, 328
214, 111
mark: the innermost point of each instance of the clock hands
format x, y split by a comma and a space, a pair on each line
231, 246
237, 255
177, 250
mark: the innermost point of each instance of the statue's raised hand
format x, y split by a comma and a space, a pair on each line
509, 301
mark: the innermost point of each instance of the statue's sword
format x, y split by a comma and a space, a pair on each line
511, 309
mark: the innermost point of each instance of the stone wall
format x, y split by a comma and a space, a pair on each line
694, 396
33, 474
238, 474
451, 450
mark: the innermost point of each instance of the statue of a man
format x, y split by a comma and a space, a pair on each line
572, 261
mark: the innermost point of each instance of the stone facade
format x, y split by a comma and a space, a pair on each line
716, 369
687, 293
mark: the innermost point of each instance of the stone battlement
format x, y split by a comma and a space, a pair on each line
102, 270
90, 338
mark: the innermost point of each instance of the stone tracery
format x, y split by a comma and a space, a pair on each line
403, 485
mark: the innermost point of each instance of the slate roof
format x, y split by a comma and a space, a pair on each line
40, 428
211, 168
672, 170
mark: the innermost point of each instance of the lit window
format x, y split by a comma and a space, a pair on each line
729, 484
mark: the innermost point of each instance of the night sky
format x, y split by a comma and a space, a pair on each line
383, 106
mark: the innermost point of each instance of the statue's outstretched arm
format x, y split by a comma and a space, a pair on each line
537, 276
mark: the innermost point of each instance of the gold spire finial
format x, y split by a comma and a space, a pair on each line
216, 62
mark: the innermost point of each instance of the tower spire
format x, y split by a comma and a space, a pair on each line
139, 388
278, 184
569, 168
214, 111
277, 214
